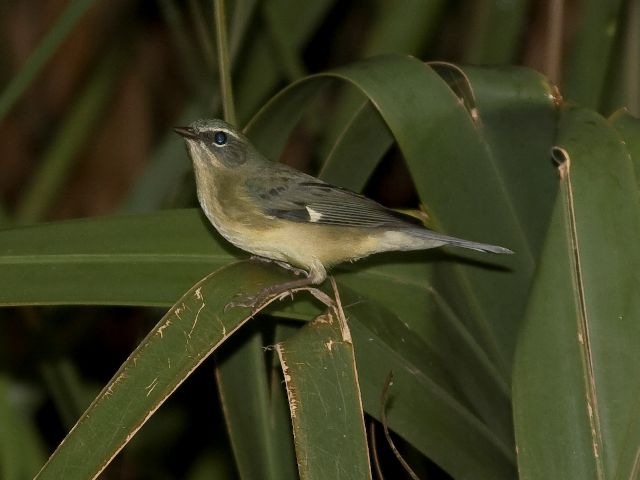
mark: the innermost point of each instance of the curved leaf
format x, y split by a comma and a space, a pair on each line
517, 120
442, 145
193, 328
578, 362
422, 409
357, 150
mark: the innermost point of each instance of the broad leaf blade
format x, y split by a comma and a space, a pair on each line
517, 120
406, 290
422, 408
442, 146
193, 328
357, 150
324, 398
241, 373
105, 240
578, 360
129, 260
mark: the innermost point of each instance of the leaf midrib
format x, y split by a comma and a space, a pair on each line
75, 258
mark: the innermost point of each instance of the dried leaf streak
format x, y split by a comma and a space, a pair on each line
165, 394
114, 384
342, 319
293, 401
179, 310
329, 344
151, 386
224, 329
162, 327
583, 326
195, 320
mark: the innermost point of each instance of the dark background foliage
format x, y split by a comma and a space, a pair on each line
91, 135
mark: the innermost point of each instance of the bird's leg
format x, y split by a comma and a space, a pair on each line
316, 275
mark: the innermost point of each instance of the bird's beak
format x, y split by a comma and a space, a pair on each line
186, 132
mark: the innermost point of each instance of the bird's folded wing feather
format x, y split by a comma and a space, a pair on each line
306, 199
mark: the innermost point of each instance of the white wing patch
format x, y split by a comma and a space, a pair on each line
314, 216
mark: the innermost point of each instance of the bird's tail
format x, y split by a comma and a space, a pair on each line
459, 242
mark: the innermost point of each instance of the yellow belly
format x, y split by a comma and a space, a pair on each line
303, 244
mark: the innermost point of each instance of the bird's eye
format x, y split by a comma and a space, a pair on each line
220, 138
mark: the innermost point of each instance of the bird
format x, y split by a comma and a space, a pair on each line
281, 214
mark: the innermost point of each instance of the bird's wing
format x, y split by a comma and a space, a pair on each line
302, 198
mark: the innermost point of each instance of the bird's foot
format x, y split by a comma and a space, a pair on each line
261, 299
316, 292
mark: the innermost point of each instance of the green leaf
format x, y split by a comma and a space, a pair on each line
443, 145
128, 260
592, 53
448, 319
193, 328
241, 373
422, 406
157, 367
357, 150
406, 290
628, 128
390, 33
577, 364
127, 234
324, 398
517, 120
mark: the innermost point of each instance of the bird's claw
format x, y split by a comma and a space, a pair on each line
257, 301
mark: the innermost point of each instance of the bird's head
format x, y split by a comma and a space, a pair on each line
215, 144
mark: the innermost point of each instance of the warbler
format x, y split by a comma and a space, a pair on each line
281, 214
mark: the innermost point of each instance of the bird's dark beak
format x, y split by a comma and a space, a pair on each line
186, 132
